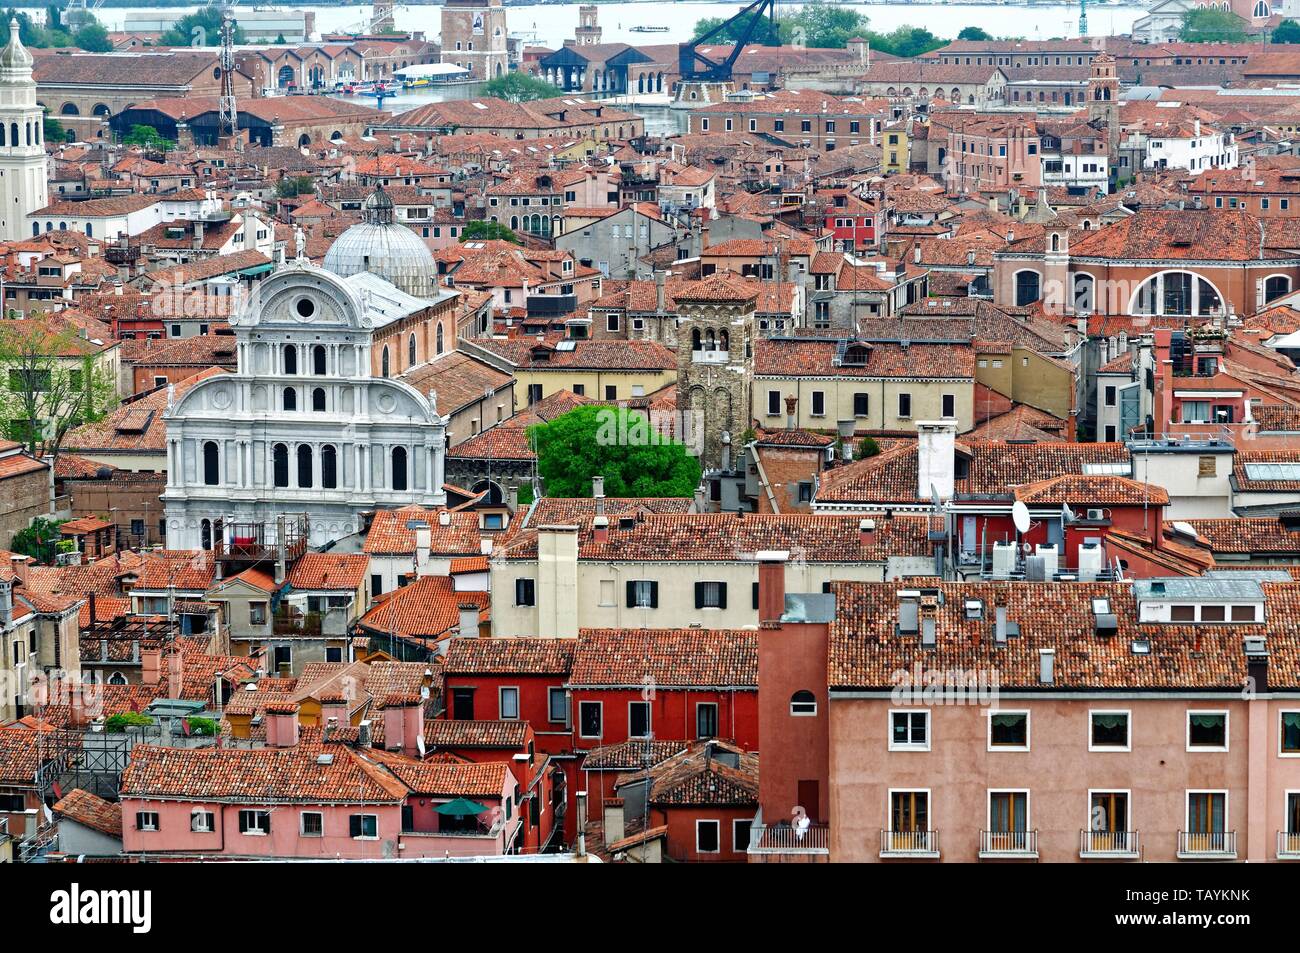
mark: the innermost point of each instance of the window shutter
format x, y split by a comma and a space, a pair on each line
699, 595
654, 595
722, 595
631, 594
354, 825
755, 589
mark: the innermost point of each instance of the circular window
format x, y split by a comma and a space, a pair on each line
306, 307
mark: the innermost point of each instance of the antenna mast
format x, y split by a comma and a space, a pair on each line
229, 118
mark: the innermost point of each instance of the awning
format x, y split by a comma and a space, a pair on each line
256, 270
461, 807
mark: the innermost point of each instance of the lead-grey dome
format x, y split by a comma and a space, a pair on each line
382, 247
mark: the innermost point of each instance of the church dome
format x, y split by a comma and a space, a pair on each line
15, 55
382, 247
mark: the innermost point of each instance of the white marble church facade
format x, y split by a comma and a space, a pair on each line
303, 426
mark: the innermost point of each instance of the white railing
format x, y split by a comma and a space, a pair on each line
710, 357
1107, 843
1017, 843
1207, 843
903, 843
1288, 845
784, 839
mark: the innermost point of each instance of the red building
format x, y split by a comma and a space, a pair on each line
850, 220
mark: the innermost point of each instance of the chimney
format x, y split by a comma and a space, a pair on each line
916, 254
150, 666
281, 724
198, 235
598, 494
661, 294
469, 615
403, 723
866, 532
1046, 666
614, 830
701, 500
7, 604
423, 543
771, 587
512, 499
791, 406
556, 593
1000, 624
19, 563
600, 529
935, 446
334, 708
175, 673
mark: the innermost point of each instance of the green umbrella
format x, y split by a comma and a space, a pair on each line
461, 807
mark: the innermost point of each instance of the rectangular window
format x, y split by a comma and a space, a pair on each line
710, 595
1108, 731
638, 719
706, 837
949, 405
376, 584
1110, 395
1206, 816
525, 592
509, 704
909, 731
557, 706
462, 704
642, 594
818, 403
909, 813
1008, 815
312, 824
774, 403
1009, 730
589, 719
201, 822
861, 403
905, 405
257, 613
1207, 731
706, 720
1289, 741
257, 823
740, 834
611, 392
363, 826
146, 820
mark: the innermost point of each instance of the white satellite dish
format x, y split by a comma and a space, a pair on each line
419, 743
1020, 516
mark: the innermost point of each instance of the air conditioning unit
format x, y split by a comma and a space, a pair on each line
1004, 560
1051, 558
1090, 561
1096, 515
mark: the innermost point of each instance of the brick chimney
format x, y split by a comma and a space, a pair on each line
866, 532
791, 411
334, 706
469, 616
771, 586
150, 666
403, 723
281, 724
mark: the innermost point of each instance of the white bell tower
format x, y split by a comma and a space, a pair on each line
23, 179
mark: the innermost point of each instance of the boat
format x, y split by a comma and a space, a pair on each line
649, 29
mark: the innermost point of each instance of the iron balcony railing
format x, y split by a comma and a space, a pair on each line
1207, 844
1108, 843
909, 843
1009, 843
785, 839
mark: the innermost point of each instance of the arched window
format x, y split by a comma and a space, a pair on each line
329, 469
1056, 242
280, 464
205, 534
803, 702
4, 137
211, 463
304, 466
290, 399
1276, 286
494, 495
1261, 11
1176, 293
439, 334
1085, 292
1027, 287
70, 109
695, 339
318, 399
399, 468
13, 133
290, 359
117, 678
410, 351
318, 360
383, 370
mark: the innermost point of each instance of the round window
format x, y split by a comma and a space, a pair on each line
306, 307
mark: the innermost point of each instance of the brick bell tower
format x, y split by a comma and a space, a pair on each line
715, 366
1103, 105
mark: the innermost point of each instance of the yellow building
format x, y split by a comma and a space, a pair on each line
601, 370
895, 149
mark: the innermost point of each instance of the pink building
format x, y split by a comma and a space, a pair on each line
305, 795
1152, 720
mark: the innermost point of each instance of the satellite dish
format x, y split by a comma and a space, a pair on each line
419, 743
1020, 516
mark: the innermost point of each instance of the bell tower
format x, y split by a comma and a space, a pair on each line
23, 185
588, 31
1103, 104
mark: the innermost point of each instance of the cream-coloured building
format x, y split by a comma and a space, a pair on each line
878, 385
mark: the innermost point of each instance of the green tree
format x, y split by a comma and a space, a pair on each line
200, 28
1288, 31
516, 87
867, 447
53, 128
39, 540
483, 230
1209, 25
616, 443
975, 34
147, 137
765, 33
93, 38
292, 185
907, 42
824, 25
280, 40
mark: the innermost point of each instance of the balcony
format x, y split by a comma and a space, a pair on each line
1202, 845
1288, 845
710, 357
905, 844
1109, 845
784, 839
1009, 845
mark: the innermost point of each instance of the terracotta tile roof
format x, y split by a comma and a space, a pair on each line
669, 658
702, 775
390, 536
136, 426
329, 571
1079, 490
1250, 535
602, 355
424, 610
502, 442
1244, 483
179, 569
20, 755
458, 379
791, 357
444, 733
867, 653
486, 779
1205, 234
91, 811
634, 755
525, 656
